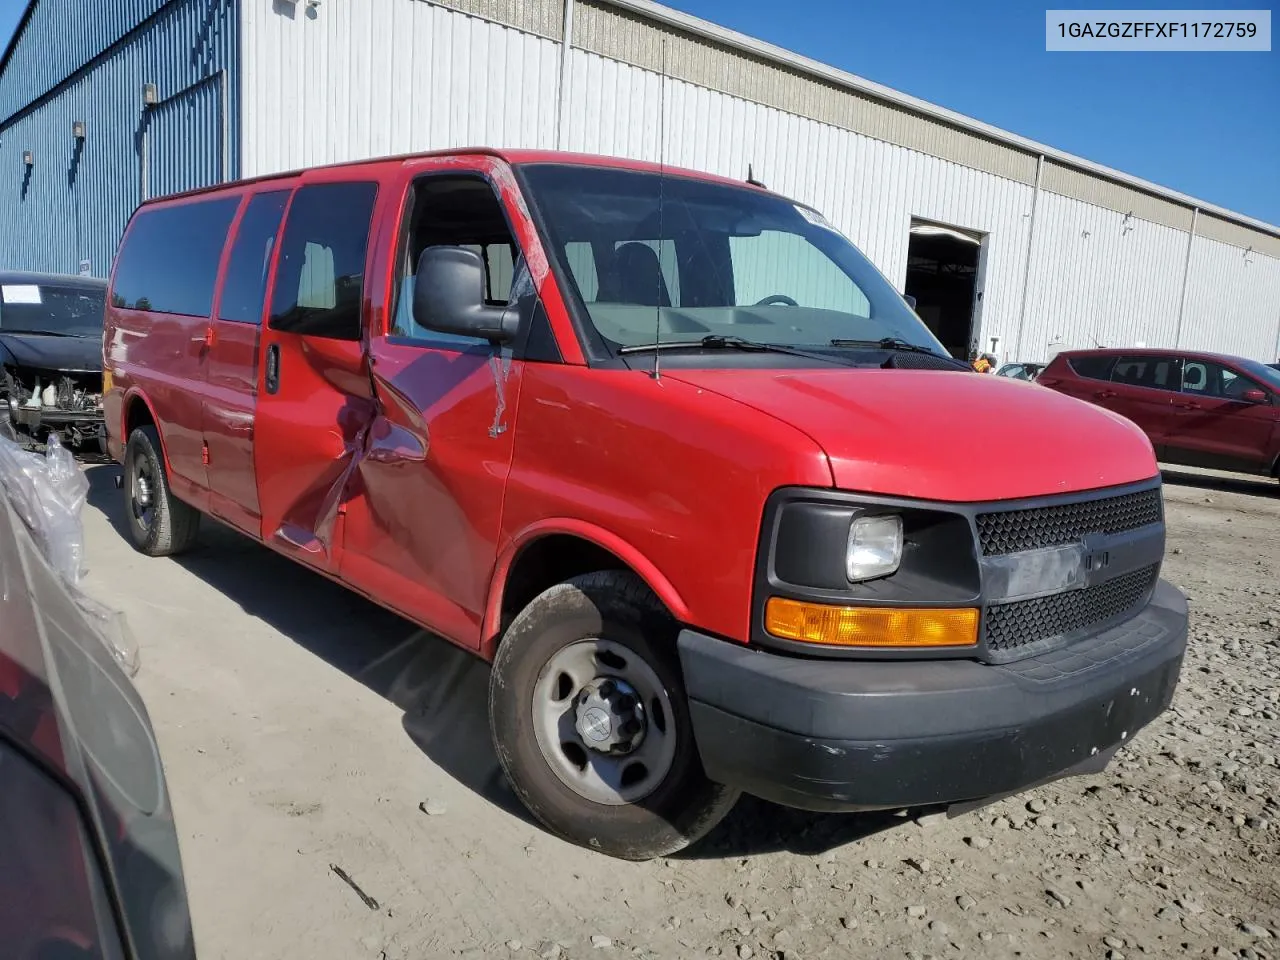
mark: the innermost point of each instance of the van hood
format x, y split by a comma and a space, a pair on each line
941, 435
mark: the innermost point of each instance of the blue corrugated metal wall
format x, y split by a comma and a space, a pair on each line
192, 118
71, 205
80, 32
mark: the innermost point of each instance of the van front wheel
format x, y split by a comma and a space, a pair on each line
159, 523
591, 724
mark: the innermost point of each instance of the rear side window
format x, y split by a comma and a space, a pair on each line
320, 277
245, 284
1159, 373
169, 261
1094, 368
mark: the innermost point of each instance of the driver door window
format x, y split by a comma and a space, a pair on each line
1203, 378
454, 211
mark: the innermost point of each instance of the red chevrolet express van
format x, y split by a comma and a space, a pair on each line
672, 454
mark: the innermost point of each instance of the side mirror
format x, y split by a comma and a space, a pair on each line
911, 301
448, 296
1254, 395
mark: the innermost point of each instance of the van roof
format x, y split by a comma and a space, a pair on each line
513, 157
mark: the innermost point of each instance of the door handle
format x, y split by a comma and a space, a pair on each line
1188, 405
1105, 394
273, 368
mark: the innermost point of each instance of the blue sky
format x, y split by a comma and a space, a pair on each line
1207, 124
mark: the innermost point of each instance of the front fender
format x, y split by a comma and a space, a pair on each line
656, 580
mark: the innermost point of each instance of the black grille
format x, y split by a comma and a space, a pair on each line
1063, 523
1011, 626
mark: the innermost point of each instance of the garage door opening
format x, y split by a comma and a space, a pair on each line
942, 274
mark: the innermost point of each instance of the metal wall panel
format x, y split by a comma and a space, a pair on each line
1115, 196
542, 17
1218, 229
1100, 279
869, 189
605, 29
383, 77
58, 38
73, 202
183, 138
1233, 301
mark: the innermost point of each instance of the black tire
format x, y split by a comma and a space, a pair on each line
613, 606
160, 524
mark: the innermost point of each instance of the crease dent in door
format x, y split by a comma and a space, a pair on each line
308, 524
386, 440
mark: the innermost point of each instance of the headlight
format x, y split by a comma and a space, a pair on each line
875, 547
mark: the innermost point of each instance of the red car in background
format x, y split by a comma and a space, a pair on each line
1199, 409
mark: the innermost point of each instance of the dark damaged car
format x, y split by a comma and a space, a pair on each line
51, 359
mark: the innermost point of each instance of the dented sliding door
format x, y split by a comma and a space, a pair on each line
315, 400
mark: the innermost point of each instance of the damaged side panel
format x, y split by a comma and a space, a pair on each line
307, 441
385, 461
426, 509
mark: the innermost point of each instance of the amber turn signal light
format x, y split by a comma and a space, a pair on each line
871, 626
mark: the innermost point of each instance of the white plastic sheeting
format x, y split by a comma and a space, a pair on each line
48, 492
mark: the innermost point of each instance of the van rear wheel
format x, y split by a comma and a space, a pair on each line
159, 523
591, 725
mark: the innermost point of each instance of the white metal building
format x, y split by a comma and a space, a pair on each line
1000, 238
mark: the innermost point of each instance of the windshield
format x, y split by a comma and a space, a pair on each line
1264, 372
710, 260
66, 310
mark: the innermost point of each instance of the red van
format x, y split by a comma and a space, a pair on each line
674, 456
1198, 409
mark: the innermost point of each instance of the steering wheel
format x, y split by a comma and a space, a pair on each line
775, 299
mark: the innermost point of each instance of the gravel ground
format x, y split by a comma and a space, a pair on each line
309, 737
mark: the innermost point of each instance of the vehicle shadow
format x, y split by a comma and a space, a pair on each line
441, 690
1249, 486
757, 826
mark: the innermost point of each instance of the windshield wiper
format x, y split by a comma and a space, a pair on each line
715, 341
38, 333
884, 343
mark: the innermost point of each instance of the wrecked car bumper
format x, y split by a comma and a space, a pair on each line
73, 426
846, 735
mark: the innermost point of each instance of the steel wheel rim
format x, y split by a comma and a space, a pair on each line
142, 487
612, 780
